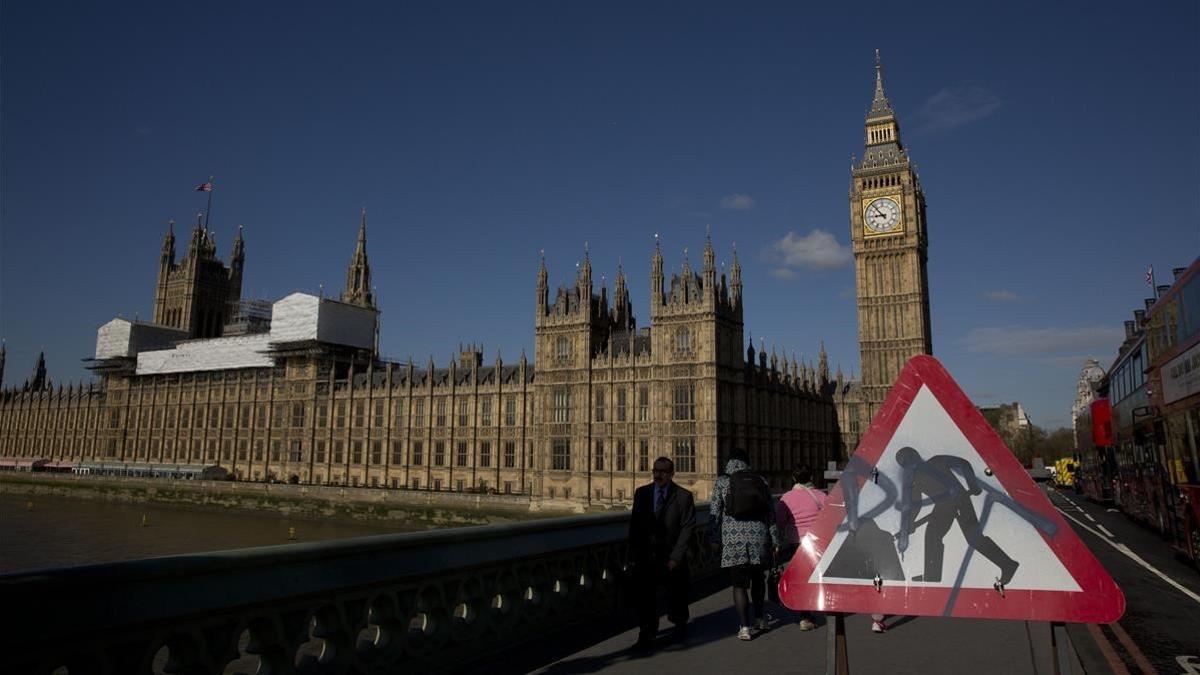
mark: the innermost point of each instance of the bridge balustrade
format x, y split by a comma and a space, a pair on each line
414, 602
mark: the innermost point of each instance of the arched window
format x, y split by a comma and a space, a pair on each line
562, 348
683, 340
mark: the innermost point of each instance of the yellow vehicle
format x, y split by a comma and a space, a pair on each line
1064, 472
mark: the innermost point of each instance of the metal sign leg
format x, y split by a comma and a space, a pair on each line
1060, 645
837, 662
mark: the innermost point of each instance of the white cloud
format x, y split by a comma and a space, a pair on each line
1002, 296
816, 250
953, 107
1058, 341
738, 202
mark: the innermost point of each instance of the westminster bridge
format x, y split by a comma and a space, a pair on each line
540, 595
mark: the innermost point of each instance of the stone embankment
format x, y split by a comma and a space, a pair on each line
430, 509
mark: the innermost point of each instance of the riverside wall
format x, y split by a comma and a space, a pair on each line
431, 509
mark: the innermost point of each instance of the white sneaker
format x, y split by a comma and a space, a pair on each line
763, 623
744, 633
807, 624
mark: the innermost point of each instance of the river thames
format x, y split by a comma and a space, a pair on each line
38, 531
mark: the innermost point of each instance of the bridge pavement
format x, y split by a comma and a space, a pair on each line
919, 645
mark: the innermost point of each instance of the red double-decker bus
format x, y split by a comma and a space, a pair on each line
1173, 394
1139, 440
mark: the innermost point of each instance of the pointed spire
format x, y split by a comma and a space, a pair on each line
823, 365
239, 247
358, 274
39, 372
880, 105
656, 274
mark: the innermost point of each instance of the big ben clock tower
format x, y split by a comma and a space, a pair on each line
887, 229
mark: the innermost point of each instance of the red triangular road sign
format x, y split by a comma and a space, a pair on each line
933, 515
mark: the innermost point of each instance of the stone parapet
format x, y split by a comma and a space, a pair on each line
419, 602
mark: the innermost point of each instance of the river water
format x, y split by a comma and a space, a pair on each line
39, 531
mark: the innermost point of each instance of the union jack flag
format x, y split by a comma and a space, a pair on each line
1150, 275
204, 187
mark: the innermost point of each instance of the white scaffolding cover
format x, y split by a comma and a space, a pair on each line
298, 317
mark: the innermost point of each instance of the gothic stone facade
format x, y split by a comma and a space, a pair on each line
606, 399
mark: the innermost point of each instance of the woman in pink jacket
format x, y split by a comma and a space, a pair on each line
795, 512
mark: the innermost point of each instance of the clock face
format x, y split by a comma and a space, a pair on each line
881, 215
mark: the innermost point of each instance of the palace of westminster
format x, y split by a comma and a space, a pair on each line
296, 391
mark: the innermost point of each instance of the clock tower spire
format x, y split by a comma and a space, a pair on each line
890, 242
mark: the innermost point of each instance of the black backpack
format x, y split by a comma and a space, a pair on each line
749, 496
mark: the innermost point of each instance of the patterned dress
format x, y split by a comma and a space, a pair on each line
743, 542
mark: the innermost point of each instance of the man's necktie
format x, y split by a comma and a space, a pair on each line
659, 499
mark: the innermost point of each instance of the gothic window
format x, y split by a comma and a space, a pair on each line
418, 454
339, 418
276, 450
258, 450
376, 453
485, 412
295, 454
599, 405
439, 453
621, 458
463, 413
356, 453
510, 454
398, 414
685, 455
379, 415
230, 414
339, 452
621, 404
643, 455
322, 415
319, 453
643, 404
562, 405
419, 414
510, 411
683, 340
297, 415
684, 401
441, 412
599, 456
460, 454
560, 454
485, 454
360, 414
397, 453
562, 349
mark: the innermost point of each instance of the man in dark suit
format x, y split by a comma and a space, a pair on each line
660, 528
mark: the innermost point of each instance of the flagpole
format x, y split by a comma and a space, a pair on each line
208, 211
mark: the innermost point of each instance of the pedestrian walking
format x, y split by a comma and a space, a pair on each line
743, 524
660, 528
795, 512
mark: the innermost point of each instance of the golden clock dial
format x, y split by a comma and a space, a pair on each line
881, 215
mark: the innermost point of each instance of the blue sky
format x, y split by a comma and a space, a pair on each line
1057, 142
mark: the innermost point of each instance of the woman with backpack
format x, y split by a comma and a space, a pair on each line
742, 522
796, 511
